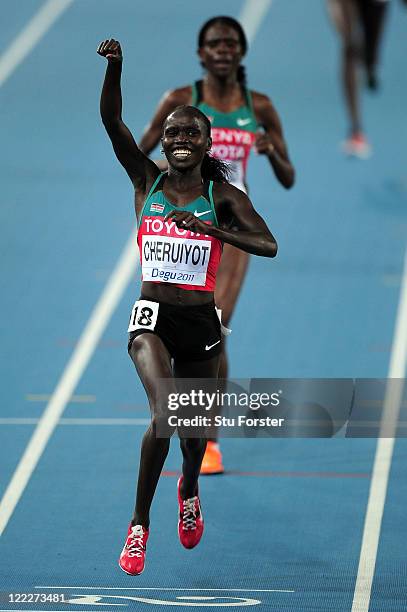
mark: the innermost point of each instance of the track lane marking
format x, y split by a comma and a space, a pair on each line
125, 588
75, 399
252, 15
383, 456
25, 42
94, 328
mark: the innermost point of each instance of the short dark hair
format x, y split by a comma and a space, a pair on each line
195, 112
229, 21
212, 169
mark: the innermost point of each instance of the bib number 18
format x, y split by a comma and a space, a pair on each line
143, 316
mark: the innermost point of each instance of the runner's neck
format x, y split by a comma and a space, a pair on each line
183, 183
222, 94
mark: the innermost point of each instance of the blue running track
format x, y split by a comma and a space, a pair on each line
284, 526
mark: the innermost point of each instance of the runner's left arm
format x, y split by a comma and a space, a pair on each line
271, 142
234, 210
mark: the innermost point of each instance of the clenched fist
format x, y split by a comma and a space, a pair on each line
111, 50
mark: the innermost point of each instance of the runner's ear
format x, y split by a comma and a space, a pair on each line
209, 144
200, 52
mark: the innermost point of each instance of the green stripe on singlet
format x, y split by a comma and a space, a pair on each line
157, 205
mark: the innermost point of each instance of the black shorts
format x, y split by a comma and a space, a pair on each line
190, 333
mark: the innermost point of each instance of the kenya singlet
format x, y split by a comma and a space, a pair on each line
233, 134
173, 255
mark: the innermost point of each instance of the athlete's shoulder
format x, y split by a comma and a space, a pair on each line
226, 191
265, 111
261, 101
178, 96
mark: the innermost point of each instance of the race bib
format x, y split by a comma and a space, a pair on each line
144, 315
175, 260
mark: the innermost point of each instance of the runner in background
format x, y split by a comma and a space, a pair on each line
360, 26
241, 120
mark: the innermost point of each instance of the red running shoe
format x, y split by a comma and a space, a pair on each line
190, 523
133, 555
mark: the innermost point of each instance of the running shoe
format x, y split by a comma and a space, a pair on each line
133, 554
212, 461
357, 146
190, 522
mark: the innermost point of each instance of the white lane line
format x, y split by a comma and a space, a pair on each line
75, 399
124, 588
18, 421
79, 421
383, 456
30, 36
251, 16
135, 422
83, 352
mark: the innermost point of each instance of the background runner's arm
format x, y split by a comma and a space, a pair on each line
140, 169
271, 142
153, 131
234, 210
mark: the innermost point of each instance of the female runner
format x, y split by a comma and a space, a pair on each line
236, 114
360, 26
184, 217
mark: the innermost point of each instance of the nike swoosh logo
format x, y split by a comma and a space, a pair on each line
242, 122
208, 348
199, 214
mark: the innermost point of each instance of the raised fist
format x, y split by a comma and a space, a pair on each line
111, 50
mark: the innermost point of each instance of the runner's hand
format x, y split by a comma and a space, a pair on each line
187, 220
111, 50
263, 144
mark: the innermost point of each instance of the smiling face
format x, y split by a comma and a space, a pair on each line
221, 51
185, 139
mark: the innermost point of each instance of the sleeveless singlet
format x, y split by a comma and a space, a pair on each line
233, 134
170, 254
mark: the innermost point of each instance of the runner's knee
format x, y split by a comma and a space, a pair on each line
160, 425
193, 445
140, 346
351, 50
